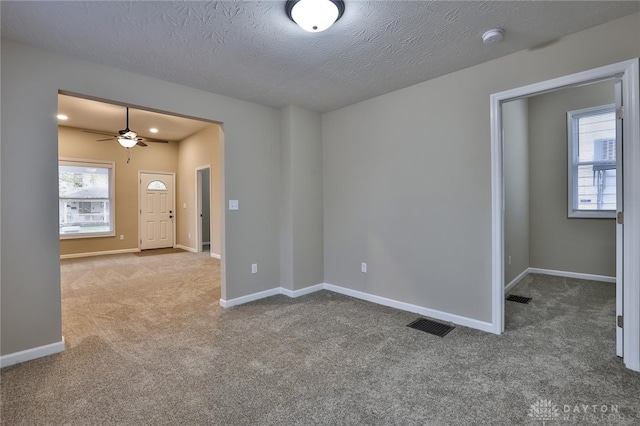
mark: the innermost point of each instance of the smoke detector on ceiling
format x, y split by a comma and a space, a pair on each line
493, 36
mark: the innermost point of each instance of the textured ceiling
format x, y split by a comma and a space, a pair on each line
250, 50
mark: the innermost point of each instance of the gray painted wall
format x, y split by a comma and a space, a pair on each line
558, 242
301, 238
407, 175
516, 188
405, 179
31, 78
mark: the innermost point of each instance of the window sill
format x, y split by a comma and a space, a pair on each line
608, 214
92, 235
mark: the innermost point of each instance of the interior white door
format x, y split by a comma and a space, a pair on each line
156, 211
619, 224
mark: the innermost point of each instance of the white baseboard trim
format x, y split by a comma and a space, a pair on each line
577, 275
302, 291
268, 293
186, 248
216, 256
516, 280
443, 316
30, 354
403, 306
98, 253
249, 298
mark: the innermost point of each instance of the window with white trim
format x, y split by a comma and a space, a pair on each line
592, 162
86, 198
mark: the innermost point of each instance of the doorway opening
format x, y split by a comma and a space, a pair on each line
627, 230
159, 166
203, 222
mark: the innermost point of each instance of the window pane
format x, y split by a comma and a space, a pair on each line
83, 182
592, 145
157, 186
597, 137
85, 204
596, 189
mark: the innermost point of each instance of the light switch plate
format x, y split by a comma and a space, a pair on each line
233, 204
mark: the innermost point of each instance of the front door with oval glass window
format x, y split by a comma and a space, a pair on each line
156, 211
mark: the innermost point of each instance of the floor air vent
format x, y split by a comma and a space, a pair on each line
519, 299
431, 327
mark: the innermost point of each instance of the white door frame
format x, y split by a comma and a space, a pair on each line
619, 228
628, 72
198, 223
173, 178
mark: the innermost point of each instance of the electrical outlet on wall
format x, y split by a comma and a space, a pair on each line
254, 268
363, 267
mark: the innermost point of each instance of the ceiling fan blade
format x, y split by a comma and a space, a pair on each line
101, 140
155, 140
140, 143
99, 133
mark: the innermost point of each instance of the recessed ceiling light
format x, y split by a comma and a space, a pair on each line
153, 130
493, 36
62, 117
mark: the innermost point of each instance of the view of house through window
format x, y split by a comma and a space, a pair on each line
86, 205
592, 162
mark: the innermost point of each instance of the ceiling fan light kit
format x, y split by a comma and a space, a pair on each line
314, 15
127, 143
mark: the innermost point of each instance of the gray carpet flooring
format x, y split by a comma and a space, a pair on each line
147, 344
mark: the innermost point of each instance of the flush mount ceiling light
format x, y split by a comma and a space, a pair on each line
314, 15
493, 36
